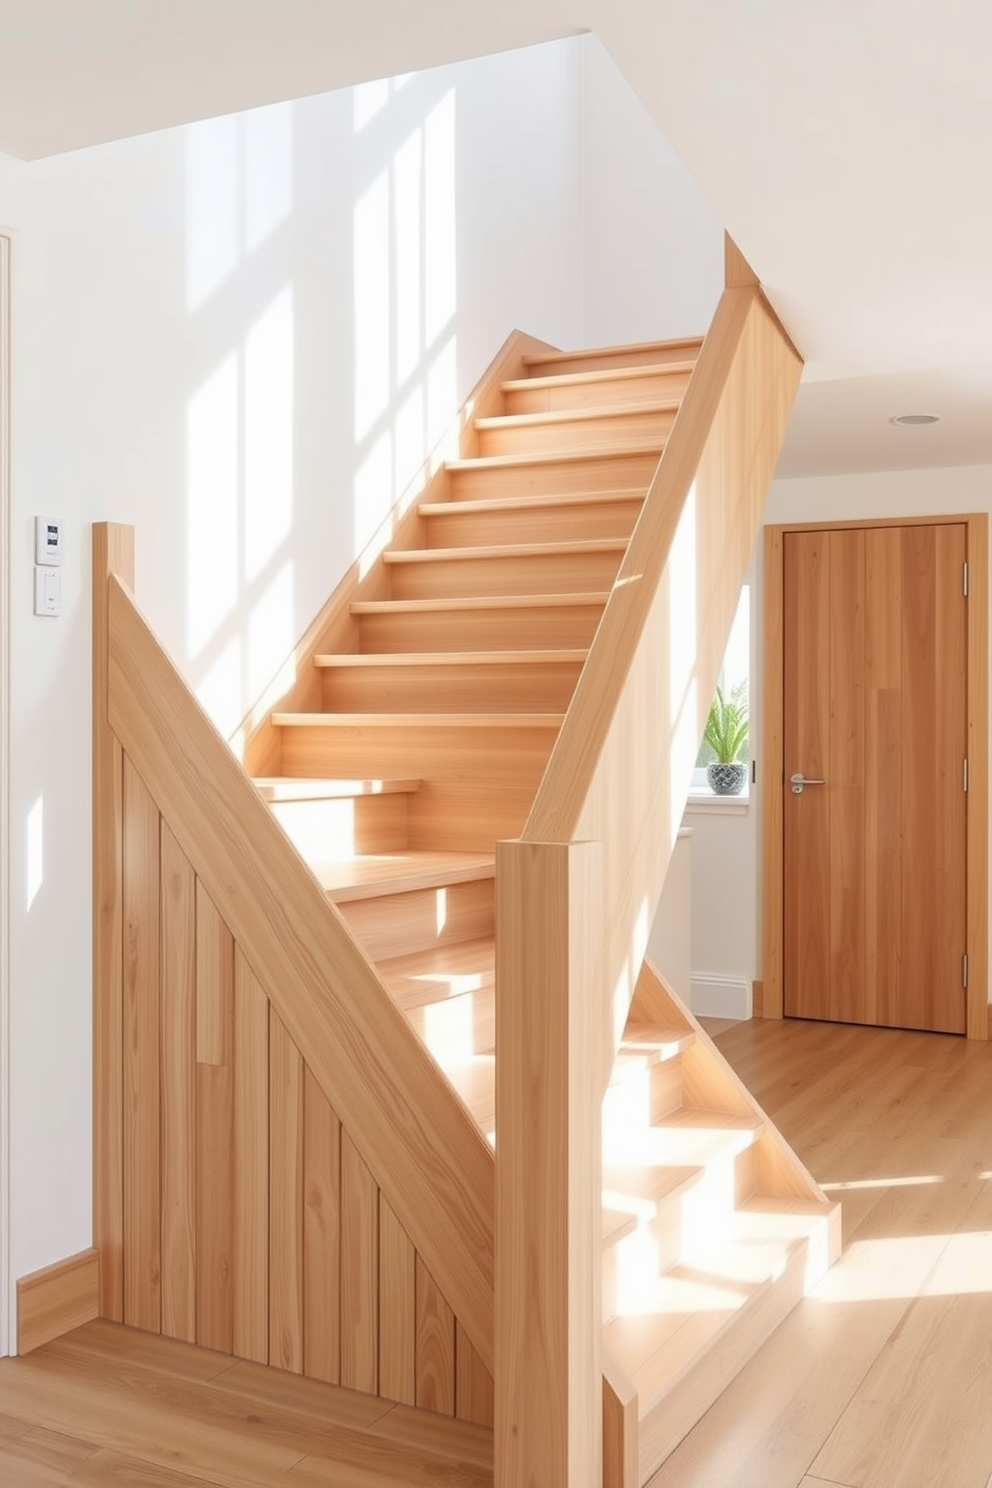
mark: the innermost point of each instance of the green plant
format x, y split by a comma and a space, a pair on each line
726, 728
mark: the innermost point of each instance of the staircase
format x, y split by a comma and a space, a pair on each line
429, 738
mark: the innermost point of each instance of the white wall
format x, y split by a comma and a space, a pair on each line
189, 308
726, 935
652, 244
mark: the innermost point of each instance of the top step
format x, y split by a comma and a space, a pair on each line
639, 354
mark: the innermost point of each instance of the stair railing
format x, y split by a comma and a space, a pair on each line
577, 893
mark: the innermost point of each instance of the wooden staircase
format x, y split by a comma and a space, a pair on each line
427, 746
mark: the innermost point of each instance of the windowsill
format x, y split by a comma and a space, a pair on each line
709, 804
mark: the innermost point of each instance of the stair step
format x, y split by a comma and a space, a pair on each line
453, 681
401, 921
431, 977
418, 720
585, 515
686, 1137
605, 358
573, 429
537, 621
640, 383
506, 569
276, 788
401, 873
557, 473
655, 1043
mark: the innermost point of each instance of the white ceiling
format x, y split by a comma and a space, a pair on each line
846, 144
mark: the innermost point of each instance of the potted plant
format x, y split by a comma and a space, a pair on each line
725, 738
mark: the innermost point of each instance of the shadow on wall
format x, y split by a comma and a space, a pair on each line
321, 298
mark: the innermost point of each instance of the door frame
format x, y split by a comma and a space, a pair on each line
772, 762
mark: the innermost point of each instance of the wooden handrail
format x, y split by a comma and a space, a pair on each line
429, 1160
620, 770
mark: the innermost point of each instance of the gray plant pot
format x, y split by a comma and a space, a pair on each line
727, 780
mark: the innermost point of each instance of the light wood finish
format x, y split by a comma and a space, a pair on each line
335, 628
555, 474
111, 1408
178, 1083
520, 681
322, 1234
435, 1347
359, 1272
423, 919
251, 1164
539, 568
397, 1310
609, 358
537, 621
620, 1428
532, 519
641, 699
548, 1374
473, 1383
577, 428
326, 994
975, 802
142, 1137
215, 1241
214, 983
57, 1299
285, 1200
737, 272
113, 552
629, 385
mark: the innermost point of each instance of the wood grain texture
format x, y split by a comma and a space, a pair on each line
215, 1207
251, 1165
978, 774
214, 983
142, 1132
57, 1299
737, 272
321, 1234
113, 552
473, 1383
398, 1311
285, 1200
385, 1087
359, 1272
178, 1090
435, 1346
550, 1033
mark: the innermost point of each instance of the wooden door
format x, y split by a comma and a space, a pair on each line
875, 705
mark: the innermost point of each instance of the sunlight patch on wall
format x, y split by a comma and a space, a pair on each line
373, 489
268, 171
270, 631
407, 202
442, 392
212, 518
372, 304
441, 228
35, 845
368, 99
219, 692
268, 424
213, 227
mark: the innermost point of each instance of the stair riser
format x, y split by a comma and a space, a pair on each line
582, 522
340, 829
422, 919
450, 689
457, 1028
612, 472
538, 573
615, 430
554, 627
635, 356
475, 755
560, 397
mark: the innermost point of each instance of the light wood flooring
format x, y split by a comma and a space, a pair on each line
881, 1379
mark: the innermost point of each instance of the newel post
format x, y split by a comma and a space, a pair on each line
113, 553
548, 1373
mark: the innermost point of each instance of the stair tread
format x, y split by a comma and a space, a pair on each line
596, 598
599, 374
686, 1137
646, 1184
635, 348
650, 1044
447, 658
506, 550
276, 788
527, 503
548, 418
396, 873
616, 1224
425, 977
417, 720
560, 457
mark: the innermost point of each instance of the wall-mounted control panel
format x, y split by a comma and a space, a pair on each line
49, 554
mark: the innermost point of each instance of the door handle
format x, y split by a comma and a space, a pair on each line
799, 781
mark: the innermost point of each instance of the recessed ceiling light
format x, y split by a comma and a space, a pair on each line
915, 420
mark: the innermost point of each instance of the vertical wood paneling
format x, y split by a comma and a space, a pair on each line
397, 1309
178, 1106
359, 1272
214, 984
473, 1382
321, 1234
113, 552
214, 1127
435, 1346
214, 1207
251, 1164
844, 796
285, 1199
142, 1213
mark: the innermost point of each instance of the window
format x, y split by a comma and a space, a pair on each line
733, 684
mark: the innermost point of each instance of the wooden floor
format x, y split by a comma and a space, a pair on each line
881, 1379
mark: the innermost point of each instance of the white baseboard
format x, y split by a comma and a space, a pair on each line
720, 996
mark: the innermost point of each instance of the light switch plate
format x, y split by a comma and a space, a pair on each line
47, 591
48, 548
